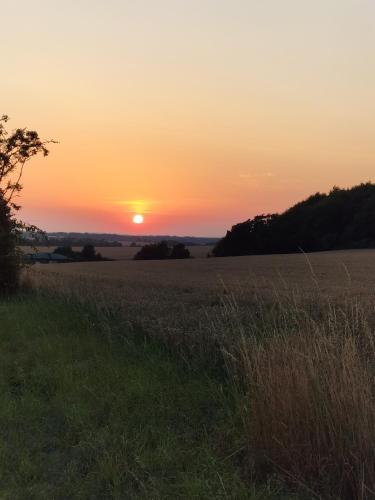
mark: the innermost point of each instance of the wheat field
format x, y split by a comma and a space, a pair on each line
294, 334
330, 272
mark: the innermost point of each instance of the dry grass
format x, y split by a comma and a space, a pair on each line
310, 407
295, 334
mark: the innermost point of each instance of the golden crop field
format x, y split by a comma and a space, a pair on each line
294, 333
325, 271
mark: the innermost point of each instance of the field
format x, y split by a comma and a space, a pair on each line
331, 272
289, 337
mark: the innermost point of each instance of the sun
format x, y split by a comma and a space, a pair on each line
138, 219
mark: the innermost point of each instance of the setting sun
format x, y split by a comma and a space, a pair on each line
138, 219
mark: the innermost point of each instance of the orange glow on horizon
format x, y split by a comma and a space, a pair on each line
197, 115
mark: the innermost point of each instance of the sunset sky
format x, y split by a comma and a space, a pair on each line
196, 114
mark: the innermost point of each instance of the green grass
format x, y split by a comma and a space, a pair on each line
88, 414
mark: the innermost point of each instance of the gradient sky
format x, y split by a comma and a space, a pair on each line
197, 113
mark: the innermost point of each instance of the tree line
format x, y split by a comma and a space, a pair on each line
340, 219
88, 253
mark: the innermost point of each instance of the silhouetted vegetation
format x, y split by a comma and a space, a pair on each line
88, 253
343, 218
66, 251
16, 149
179, 251
9, 261
162, 251
109, 239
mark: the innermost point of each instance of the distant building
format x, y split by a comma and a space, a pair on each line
46, 258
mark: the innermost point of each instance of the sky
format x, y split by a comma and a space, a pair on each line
197, 114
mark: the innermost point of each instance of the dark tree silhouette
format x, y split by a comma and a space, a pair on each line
66, 251
179, 251
343, 218
9, 259
154, 251
161, 251
88, 252
16, 149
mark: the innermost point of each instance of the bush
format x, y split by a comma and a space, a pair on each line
66, 251
88, 252
161, 251
154, 251
9, 259
179, 251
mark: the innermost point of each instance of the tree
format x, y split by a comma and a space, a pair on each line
88, 252
343, 218
162, 251
154, 251
9, 260
16, 149
66, 251
179, 251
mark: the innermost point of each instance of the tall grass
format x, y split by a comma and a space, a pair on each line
303, 365
87, 415
310, 412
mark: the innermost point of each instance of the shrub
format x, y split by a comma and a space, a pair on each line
154, 251
161, 251
66, 251
179, 251
88, 252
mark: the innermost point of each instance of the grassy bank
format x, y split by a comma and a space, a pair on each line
88, 414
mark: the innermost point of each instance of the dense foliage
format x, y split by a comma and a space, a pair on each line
88, 253
16, 149
9, 260
343, 218
161, 251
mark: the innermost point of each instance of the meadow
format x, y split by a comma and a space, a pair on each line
289, 336
87, 411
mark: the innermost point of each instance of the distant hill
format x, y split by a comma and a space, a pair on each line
109, 240
343, 218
